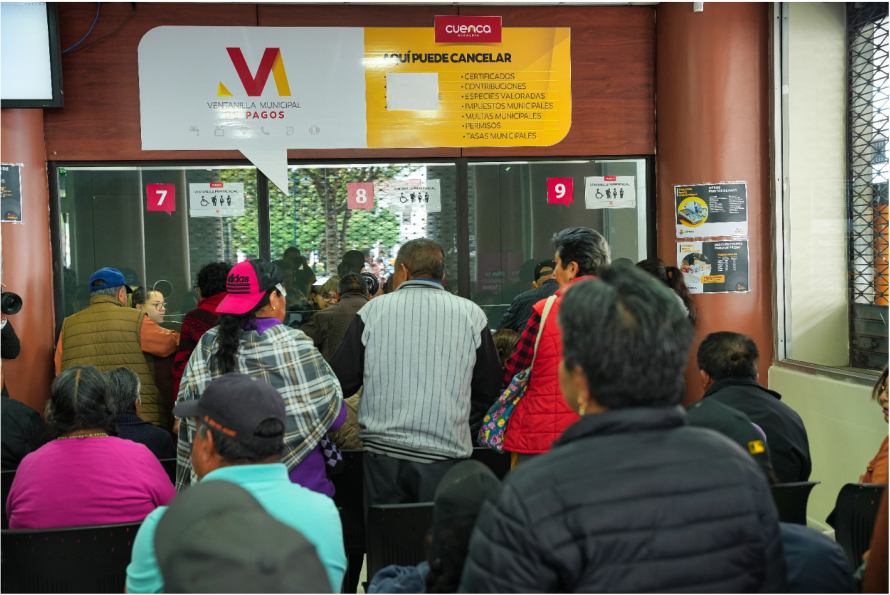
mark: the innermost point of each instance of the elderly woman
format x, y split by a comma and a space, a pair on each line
877, 469
252, 339
85, 475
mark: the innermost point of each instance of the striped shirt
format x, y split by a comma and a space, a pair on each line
429, 369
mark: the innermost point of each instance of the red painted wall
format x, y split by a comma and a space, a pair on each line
713, 126
27, 260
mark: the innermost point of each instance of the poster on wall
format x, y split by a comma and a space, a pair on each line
714, 266
610, 192
711, 210
11, 192
253, 89
216, 199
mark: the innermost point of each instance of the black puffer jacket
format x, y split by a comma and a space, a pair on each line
520, 310
630, 500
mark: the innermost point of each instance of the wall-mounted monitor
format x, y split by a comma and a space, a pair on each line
30, 57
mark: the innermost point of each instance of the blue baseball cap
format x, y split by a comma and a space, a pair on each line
108, 277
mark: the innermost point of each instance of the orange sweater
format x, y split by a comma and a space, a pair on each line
877, 469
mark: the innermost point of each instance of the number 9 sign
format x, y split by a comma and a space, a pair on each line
559, 191
360, 195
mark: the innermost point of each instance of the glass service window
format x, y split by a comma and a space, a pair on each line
512, 223
105, 223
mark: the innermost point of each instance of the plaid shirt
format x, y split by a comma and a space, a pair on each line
286, 359
522, 356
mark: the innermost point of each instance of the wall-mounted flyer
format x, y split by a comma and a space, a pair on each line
402, 196
714, 267
711, 210
11, 192
216, 199
610, 192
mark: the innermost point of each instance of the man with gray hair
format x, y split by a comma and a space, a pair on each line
108, 334
123, 391
430, 371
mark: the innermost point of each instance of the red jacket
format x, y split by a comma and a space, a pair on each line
542, 414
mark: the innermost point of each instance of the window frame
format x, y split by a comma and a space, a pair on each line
264, 215
779, 121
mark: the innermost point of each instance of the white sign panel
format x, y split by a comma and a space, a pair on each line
260, 90
216, 199
610, 192
410, 195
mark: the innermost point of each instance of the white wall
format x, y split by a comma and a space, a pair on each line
844, 426
817, 170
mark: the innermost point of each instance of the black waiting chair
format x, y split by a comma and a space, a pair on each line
397, 534
6, 478
855, 513
791, 500
348, 498
69, 560
498, 462
169, 466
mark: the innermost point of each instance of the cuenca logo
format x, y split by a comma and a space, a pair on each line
254, 85
468, 29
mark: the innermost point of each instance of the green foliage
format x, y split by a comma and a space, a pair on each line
314, 217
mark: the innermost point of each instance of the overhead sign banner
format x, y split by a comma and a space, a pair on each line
714, 267
216, 199
263, 90
711, 210
610, 192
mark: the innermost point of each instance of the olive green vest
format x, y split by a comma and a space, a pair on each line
107, 335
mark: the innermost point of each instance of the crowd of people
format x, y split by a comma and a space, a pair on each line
614, 484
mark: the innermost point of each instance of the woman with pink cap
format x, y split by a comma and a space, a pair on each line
252, 339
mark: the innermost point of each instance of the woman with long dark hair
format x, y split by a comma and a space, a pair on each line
85, 475
673, 278
252, 339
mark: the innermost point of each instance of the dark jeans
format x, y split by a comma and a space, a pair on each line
396, 481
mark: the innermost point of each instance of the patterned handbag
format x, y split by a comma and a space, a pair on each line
494, 424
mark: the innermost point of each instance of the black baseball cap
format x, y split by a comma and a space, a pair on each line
217, 538
235, 404
544, 264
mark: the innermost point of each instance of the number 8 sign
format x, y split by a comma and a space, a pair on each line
360, 195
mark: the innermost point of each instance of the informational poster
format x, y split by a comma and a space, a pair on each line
410, 195
610, 192
11, 192
263, 90
160, 197
712, 210
216, 199
714, 266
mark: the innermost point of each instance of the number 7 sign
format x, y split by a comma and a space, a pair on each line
161, 197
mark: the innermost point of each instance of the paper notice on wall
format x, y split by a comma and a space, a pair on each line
711, 210
610, 192
403, 196
715, 266
217, 199
11, 192
412, 91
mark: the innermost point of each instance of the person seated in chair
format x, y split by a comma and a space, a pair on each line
728, 367
456, 505
86, 475
123, 388
240, 432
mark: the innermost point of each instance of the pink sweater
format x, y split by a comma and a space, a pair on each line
87, 481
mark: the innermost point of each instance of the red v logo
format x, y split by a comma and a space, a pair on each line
271, 63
